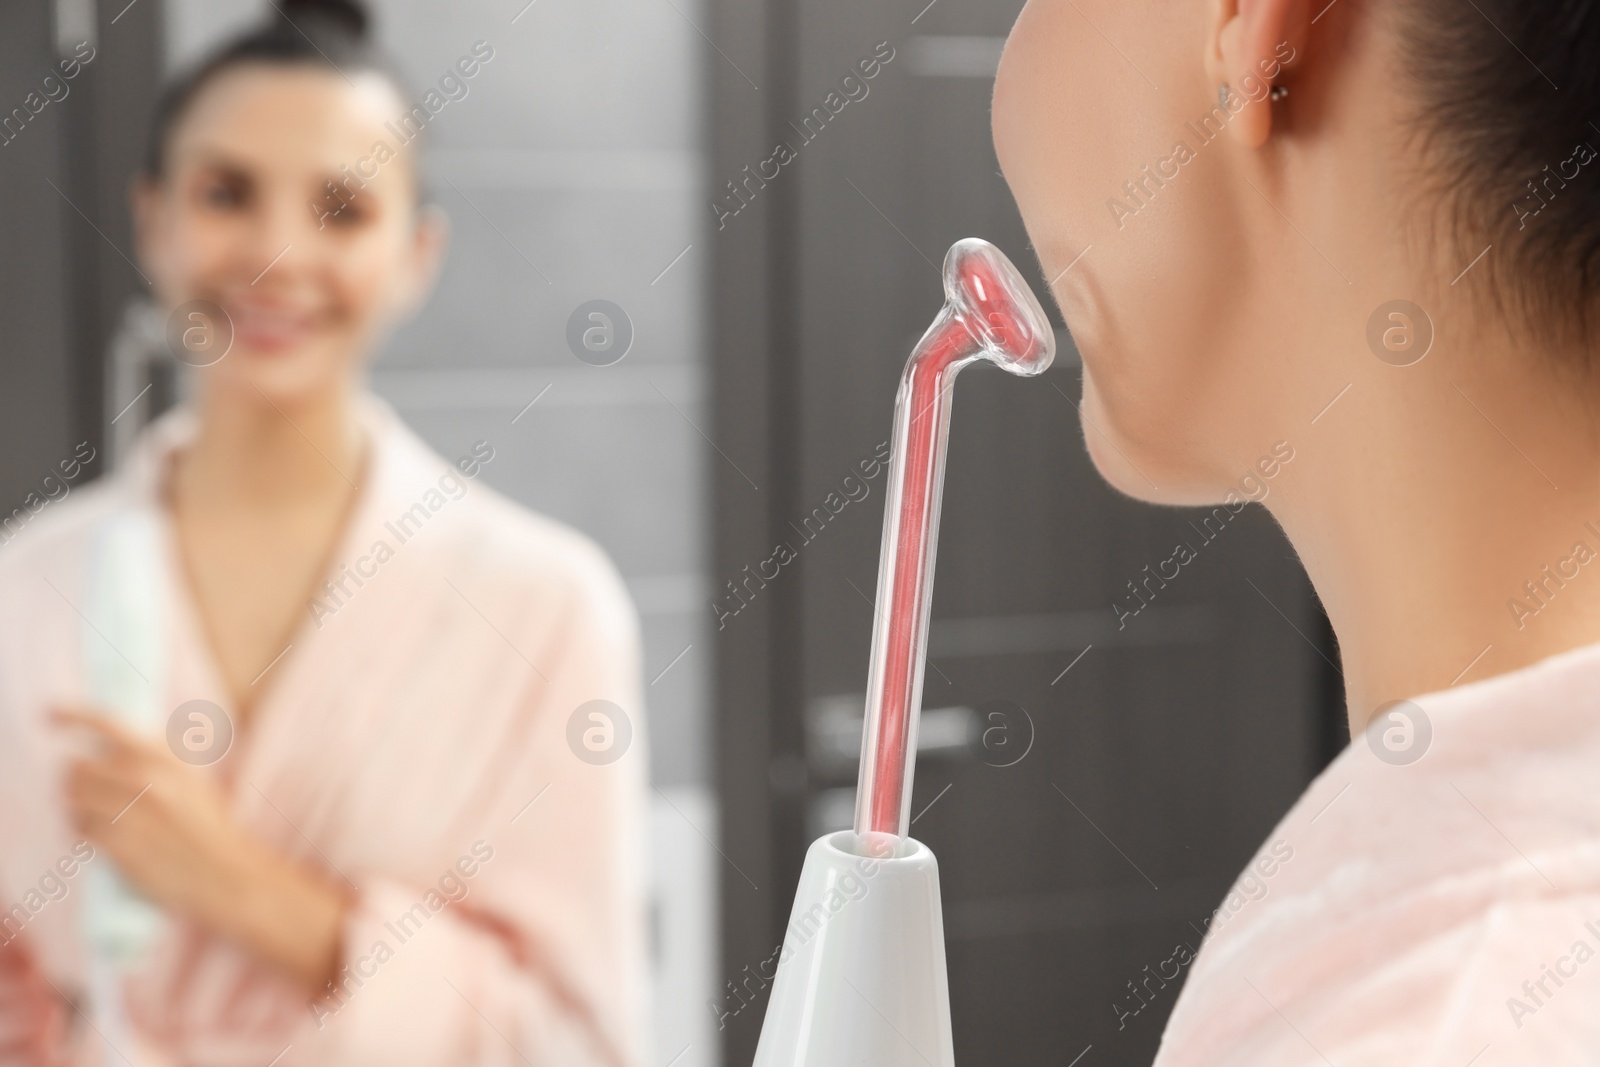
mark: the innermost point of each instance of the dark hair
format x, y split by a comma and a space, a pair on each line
334, 33
1508, 94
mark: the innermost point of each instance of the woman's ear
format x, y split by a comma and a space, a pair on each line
428, 246
1249, 43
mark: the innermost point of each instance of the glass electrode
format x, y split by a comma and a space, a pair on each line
989, 313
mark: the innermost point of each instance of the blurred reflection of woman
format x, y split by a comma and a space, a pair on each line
422, 843
1370, 231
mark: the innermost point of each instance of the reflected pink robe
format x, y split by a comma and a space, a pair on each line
401, 738
1435, 914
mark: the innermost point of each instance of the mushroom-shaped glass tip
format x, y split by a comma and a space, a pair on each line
989, 298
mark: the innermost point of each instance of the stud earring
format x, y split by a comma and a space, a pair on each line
1222, 95
1278, 93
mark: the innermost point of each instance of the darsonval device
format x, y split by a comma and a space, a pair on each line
861, 977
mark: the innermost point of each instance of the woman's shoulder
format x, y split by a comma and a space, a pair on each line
1553, 703
538, 562
505, 559
1459, 823
521, 553
534, 547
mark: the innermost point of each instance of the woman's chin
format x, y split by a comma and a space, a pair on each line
285, 375
1110, 456
1150, 464
1117, 468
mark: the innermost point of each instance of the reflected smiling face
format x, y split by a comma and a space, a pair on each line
1132, 186
243, 217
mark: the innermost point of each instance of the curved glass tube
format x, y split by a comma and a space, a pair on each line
991, 314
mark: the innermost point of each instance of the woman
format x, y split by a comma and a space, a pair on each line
1369, 231
317, 750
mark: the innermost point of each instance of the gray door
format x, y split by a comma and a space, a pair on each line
77, 83
1091, 789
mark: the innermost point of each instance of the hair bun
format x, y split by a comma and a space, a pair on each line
348, 16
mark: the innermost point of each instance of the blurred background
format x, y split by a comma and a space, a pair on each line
1090, 789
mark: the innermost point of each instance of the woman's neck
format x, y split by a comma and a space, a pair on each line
262, 453
1449, 515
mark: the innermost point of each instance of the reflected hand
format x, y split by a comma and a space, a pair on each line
165, 825
168, 829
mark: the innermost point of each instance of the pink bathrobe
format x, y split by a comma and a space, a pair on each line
415, 742
1440, 913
